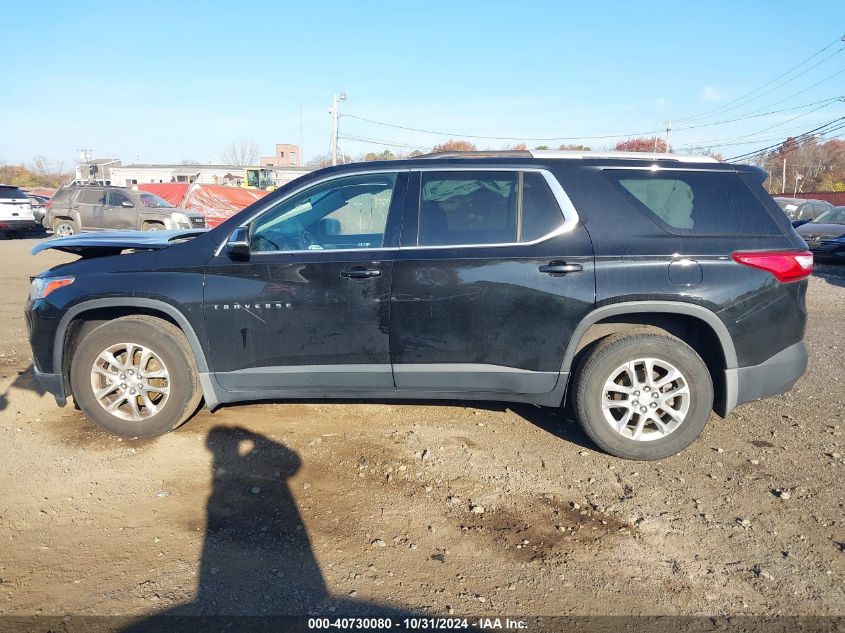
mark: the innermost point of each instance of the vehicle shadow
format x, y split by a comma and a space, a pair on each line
832, 274
25, 235
25, 380
257, 564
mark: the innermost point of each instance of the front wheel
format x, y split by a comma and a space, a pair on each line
62, 227
135, 377
643, 395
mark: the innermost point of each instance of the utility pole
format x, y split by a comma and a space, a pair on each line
668, 132
341, 96
783, 188
85, 156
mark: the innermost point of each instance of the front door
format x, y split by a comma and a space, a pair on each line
490, 283
120, 213
309, 309
89, 203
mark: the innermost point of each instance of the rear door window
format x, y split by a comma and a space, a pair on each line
467, 207
696, 203
472, 208
61, 196
541, 213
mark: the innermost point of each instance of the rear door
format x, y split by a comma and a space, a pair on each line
493, 276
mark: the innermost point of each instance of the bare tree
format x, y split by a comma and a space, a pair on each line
240, 152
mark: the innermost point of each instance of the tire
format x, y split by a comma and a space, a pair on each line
63, 227
668, 425
176, 397
152, 226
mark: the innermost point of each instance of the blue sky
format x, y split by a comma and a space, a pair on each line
166, 81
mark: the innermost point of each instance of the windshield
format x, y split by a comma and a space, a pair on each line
836, 215
152, 200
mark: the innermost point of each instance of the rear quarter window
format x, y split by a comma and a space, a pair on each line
61, 196
695, 203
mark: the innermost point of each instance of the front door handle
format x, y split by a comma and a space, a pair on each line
560, 268
360, 272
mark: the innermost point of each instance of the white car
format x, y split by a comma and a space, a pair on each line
15, 210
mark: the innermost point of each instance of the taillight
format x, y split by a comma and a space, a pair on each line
49, 205
785, 266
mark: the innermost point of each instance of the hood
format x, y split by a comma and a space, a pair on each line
813, 229
113, 242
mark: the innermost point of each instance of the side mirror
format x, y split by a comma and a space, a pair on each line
237, 247
127, 205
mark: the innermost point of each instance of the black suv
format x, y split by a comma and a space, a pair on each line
647, 290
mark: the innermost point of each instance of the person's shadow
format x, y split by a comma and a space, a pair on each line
256, 558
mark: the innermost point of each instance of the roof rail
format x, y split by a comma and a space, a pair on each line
490, 153
570, 154
573, 155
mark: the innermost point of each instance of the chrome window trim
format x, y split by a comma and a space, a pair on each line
567, 210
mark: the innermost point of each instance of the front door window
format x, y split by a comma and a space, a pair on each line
344, 213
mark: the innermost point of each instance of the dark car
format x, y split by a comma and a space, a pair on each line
78, 209
644, 290
801, 210
825, 236
39, 207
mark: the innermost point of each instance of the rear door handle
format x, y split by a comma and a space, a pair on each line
360, 273
560, 268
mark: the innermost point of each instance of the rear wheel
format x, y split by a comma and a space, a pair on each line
64, 227
643, 395
135, 377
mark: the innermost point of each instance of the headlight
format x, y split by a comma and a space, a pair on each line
40, 287
180, 220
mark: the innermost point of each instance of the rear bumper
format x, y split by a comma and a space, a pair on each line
772, 377
54, 384
18, 225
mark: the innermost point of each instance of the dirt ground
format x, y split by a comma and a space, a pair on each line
328, 507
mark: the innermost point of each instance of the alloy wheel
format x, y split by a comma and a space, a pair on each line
645, 399
130, 381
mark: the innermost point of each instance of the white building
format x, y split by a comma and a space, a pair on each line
128, 175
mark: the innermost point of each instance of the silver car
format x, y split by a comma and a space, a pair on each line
78, 209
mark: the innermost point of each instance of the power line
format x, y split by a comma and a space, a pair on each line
800, 141
744, 98
363, 139
801, 138
583, 138
776, 125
